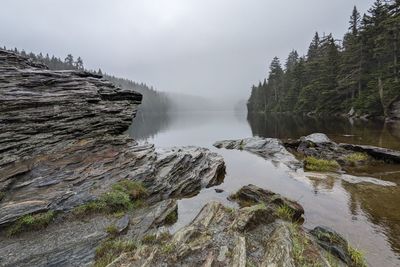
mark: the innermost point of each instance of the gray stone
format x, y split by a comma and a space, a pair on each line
213, 239
317, 138
375, 152
268, 148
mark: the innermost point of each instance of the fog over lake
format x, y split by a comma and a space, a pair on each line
208, 48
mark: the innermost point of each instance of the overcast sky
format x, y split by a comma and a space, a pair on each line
215, 48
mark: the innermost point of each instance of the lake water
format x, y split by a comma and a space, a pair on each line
367, 215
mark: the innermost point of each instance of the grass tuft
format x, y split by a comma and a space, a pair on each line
356, 157
135, 190
168, 248
314, 164
302, 248
241, 145
124, 196
110, 250
31, 222
116, 201
171, 218
112, 230
149, 239
285, 212
357, 257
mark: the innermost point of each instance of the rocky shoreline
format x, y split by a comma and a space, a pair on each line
76, 191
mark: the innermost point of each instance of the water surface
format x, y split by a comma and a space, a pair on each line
367, 215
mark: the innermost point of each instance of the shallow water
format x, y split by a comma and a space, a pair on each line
367, 215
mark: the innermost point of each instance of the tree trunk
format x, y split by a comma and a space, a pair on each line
380, 88
395, 51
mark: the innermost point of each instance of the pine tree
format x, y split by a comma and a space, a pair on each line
79, 63
69, 60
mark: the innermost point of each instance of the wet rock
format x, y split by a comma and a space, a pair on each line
268, 148
378, 153
352, 179
332, 242
122, 224
251, 194
316, 138
84, 170
62, 145
365, 180
70, 242
279, 248
42, 110
220, 236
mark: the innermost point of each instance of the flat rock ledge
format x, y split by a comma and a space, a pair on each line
319, 146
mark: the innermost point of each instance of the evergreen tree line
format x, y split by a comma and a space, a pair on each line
153, 101
360, 73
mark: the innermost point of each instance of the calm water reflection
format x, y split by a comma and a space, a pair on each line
368, 215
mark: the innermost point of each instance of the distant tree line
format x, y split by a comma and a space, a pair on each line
360, 72
153, 101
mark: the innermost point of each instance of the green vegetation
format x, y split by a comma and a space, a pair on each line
285, 212
314, 164
356, 157
168, 248
152, 239
171, 218
333, 262
112, 230
361, 72
2, 195
164, 236
230, 210
119, 214
241, 145
124, 196
149, 239
31, 222
356, 256
110, 250
301, 248
135, 190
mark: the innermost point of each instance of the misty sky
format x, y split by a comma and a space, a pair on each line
213, 48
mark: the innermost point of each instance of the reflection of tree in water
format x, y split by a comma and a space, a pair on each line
339, 129
147, 125
380, 204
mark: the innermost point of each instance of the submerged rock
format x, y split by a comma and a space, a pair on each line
268, 148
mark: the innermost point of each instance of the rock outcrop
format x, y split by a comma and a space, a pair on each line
256, 235
62, 146
268, 148
319, 146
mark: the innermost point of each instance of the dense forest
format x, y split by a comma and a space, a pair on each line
153, 101
358, 75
